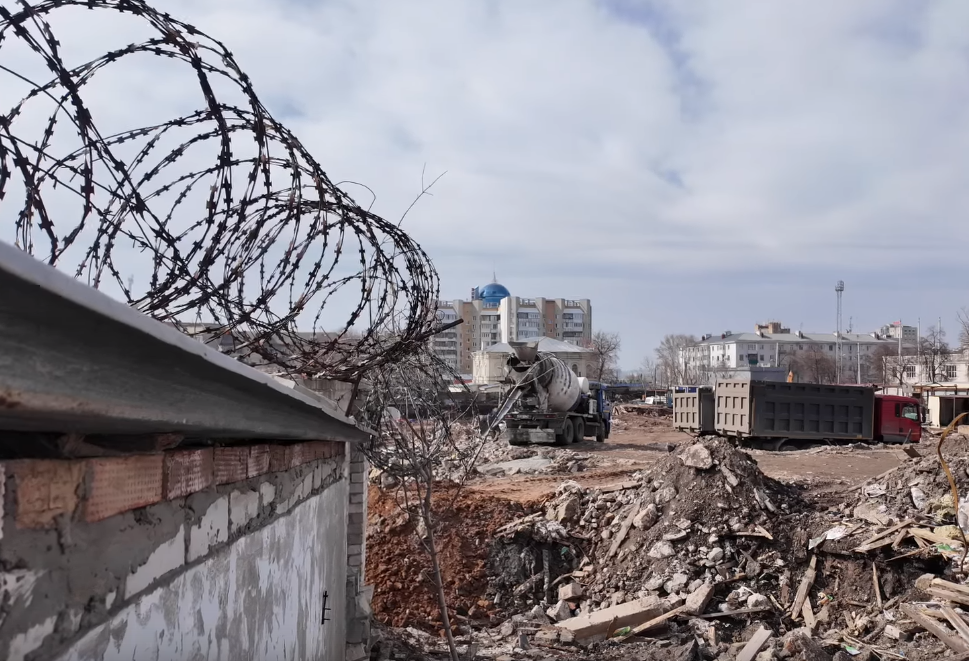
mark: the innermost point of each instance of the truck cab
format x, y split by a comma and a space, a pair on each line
898, 419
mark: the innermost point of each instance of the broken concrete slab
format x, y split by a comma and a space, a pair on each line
697, 456
629, 614
529, 465
559, 611
698, 600
662, 549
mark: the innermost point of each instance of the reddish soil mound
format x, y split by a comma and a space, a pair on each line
400, 570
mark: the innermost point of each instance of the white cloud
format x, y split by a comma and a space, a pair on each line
582, 159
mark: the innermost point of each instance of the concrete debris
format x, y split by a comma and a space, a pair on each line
698, 600
662, 549
714, 558
697, 456
571, 592
646, 518
629, 614
559, 611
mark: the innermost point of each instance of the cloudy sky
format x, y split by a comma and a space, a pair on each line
691, 167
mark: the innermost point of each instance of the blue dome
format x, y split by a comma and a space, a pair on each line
493, 293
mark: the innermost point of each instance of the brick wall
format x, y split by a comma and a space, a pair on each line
106, 486
358, 594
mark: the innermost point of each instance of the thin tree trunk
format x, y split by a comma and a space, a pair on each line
426, 513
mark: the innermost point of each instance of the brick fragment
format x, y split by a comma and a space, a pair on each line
279, 458
187, 472
231, 464
258, 460
119, 484
299, 454
45, 490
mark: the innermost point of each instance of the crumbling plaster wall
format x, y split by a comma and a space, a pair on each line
259, 598
231, 570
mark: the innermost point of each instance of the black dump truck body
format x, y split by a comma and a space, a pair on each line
805, 411
694, 409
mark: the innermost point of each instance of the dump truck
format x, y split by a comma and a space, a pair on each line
780, 412
548, 402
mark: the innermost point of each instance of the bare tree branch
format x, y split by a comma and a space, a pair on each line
606, 346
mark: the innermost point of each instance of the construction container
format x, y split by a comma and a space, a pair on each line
806, 411
693, 409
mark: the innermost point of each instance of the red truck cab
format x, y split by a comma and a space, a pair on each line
897, 419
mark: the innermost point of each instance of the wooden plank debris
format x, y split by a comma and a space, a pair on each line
621, 486
927, 581
954, 643
878, 592
754, 645
957, 597
736, 613
957, 622
935, 538
802, 590
808, 612
623, 531
885, 533
655, 622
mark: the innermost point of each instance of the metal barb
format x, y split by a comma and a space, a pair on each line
246, 236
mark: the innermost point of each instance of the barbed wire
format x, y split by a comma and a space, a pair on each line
246, 236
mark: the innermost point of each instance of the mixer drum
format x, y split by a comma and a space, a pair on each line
561, 383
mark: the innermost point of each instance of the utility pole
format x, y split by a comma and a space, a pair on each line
839, 289
858, 347
918, 348
901, 368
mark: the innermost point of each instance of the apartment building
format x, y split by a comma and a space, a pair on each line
727, 353
493, 315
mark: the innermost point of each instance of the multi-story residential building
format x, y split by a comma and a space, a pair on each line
563, 319
896, 330
493, 315
732, 355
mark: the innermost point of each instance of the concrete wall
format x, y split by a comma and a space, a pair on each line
259, 598
198, 554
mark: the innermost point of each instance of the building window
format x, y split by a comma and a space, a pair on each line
575, 368
949, 371
910, 371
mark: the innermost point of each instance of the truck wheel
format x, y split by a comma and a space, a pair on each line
567, 435
601, 433
579, 430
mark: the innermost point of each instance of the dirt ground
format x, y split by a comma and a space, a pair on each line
642, 442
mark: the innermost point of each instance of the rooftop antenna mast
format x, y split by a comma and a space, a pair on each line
839, 290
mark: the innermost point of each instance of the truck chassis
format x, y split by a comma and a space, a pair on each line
523, 428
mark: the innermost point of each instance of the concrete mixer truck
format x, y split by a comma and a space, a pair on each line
548, 403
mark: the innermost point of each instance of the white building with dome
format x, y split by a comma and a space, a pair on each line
494, 316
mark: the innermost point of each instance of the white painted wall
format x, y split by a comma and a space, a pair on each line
259, 598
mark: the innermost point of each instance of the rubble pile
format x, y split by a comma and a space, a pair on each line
695, 517
703, 546
704, 557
